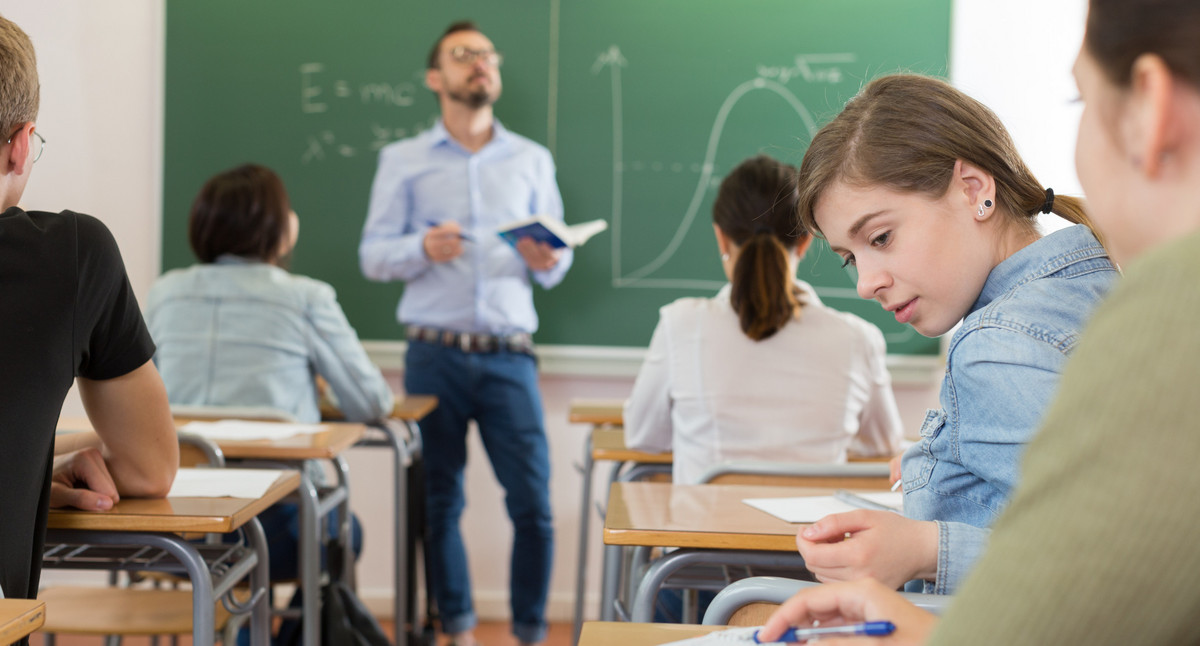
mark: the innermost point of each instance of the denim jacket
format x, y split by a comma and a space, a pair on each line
244, 333
1002, 368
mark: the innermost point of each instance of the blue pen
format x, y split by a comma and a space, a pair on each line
461, 235
869, 629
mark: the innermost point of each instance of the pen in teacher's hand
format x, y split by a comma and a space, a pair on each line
461, 236
869, 629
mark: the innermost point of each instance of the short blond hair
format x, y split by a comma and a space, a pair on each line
19, 86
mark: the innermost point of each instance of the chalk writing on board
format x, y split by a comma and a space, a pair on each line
321, 92
772, 79
818, 69
317, 91
812, 68
326, 144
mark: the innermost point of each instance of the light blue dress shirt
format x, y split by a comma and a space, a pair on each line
431, 178
1002, 369
243, 333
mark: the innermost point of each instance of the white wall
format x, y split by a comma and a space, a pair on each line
101, 68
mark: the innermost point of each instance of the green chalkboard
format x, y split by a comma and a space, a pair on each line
644, 103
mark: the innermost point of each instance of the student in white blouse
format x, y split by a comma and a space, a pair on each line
763, 370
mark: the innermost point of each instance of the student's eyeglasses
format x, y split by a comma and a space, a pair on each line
38, 148
468, 56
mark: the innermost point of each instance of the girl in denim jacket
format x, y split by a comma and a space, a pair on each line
921, 189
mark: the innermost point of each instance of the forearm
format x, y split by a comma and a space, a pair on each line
390, 257
132, 417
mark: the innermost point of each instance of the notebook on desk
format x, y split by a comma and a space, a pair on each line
810, 509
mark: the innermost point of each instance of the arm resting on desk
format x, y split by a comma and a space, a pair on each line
131, 416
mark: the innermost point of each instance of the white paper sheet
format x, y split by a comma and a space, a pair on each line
223, 483
240, 429
810, 509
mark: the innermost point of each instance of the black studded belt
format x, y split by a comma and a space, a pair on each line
472, 342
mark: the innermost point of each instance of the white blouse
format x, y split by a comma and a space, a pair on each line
813, 391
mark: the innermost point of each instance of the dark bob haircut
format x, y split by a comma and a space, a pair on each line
242, 212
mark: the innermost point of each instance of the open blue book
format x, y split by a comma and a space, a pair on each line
551, 231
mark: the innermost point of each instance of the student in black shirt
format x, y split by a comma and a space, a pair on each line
69, 314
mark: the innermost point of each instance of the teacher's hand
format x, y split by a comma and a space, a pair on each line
539, 256
443, 243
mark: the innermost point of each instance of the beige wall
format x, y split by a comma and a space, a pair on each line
101, 66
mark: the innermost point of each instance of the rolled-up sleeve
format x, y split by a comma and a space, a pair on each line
392, 245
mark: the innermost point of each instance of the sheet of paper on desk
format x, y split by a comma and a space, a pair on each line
810, 509
223, 483
240, 429
741, 635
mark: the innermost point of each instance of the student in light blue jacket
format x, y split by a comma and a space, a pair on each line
921, 189
239, 329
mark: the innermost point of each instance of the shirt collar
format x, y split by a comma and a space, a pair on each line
439, 136
231, 259
1043, 257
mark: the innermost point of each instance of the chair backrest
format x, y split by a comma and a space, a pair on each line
850, 475
195, 450
750, 601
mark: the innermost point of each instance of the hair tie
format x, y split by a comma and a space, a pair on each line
1049, 205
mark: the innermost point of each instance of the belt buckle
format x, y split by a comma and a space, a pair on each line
464, 341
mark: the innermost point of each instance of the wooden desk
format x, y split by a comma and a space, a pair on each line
605, 633
709, 523
609, 444
329, 445
606, 441
598, 412
657, 514
200, 515
326, 444
20, 617
410, 407
91, 540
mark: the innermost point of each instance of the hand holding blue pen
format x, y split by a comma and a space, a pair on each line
461, 236
868, 629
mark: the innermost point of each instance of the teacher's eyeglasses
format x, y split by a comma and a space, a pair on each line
468, 56
38, 148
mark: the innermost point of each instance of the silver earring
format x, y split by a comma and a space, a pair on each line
987, 204
724, 257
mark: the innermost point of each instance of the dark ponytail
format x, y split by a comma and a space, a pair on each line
756, 209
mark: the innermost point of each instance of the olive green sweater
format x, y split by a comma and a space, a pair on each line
1101, 542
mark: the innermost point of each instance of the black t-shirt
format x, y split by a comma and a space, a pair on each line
66, 310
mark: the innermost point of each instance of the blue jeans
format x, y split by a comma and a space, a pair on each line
499, 391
